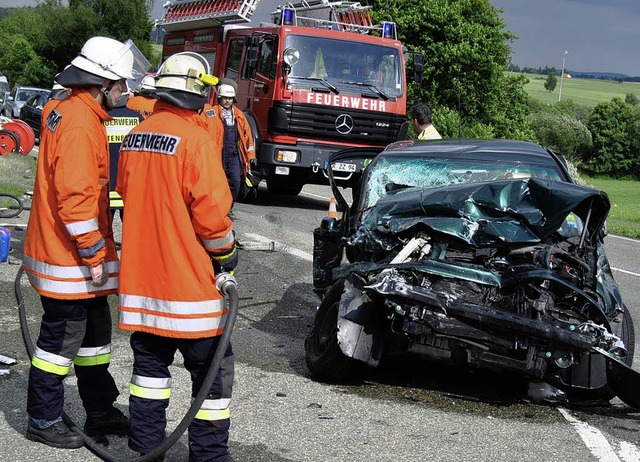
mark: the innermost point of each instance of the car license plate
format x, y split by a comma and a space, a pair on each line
343, 167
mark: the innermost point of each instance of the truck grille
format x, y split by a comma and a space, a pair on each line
322, 122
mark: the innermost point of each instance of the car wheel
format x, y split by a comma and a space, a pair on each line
615, 384
286, 186
323, 354
622, 380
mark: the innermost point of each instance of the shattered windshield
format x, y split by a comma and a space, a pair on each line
394, 175
339, 61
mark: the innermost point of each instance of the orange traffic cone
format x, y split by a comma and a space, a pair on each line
333, 211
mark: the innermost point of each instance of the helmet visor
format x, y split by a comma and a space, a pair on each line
129, 62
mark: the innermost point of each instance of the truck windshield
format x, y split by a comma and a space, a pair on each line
340, 61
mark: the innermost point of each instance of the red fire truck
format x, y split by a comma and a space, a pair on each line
320, 78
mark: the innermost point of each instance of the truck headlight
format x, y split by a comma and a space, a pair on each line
289, 157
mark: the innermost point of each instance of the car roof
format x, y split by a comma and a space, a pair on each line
20, 87
474, 149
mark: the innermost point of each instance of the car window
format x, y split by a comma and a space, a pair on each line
393, 175
23, 95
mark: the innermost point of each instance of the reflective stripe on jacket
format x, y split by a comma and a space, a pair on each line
69, 226
176, 201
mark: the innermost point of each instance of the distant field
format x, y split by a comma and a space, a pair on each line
584, 92
624, 217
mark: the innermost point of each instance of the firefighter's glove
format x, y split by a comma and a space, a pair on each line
227, 262
99, 274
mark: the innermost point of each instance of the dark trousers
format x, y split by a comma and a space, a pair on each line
231, 166
208, 439
66, 326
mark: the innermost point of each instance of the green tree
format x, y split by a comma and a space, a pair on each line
551, 82
562, 133
466, 49
614, 129
56, 32
21, 64
632, 99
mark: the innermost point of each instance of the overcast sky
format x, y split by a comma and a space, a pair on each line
599, 35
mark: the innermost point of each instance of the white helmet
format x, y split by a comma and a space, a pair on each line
226, 90
180, 72
148, 82
108, 58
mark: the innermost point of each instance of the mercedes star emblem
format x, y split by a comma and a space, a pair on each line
344, 124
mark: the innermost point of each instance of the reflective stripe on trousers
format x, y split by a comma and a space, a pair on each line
71, 331
151, 390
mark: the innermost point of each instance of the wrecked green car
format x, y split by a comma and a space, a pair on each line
480, 253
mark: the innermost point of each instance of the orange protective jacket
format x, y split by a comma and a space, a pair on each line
69, 228
176, 200
142, 104
246, 147
213, 125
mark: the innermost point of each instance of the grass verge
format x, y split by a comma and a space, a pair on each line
17, 174
624, 217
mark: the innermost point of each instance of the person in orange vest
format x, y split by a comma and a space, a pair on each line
176, 200
238, 151
143, 100
69, 252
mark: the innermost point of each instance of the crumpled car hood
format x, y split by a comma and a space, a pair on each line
485, 214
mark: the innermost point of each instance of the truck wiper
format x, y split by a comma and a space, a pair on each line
330, 86
369, 85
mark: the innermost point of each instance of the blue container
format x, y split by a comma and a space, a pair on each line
5, 240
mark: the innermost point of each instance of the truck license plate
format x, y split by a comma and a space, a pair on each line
343, 167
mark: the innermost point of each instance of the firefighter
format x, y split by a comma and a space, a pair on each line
237, 147
206, 118
69, 253
143, 100
123, 120
176, 200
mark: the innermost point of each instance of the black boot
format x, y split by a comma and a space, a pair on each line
110, 422
57, 435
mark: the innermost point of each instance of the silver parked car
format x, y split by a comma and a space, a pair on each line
17, 97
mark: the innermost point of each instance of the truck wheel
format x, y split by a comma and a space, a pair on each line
287, 186
324, 358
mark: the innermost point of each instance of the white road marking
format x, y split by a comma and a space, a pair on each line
598, 444
625, 271
315, 196
629, 452
280, 247
624, 238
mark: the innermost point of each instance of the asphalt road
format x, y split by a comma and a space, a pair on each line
408, 411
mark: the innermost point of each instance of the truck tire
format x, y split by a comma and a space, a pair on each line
324, 358
286, 186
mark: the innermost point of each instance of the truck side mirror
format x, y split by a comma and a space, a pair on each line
418, 67
252, 44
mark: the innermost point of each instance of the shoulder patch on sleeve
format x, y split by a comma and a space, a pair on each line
210, 112
53, 120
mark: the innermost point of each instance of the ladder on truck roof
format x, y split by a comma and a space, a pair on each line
338, 15
183, 15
